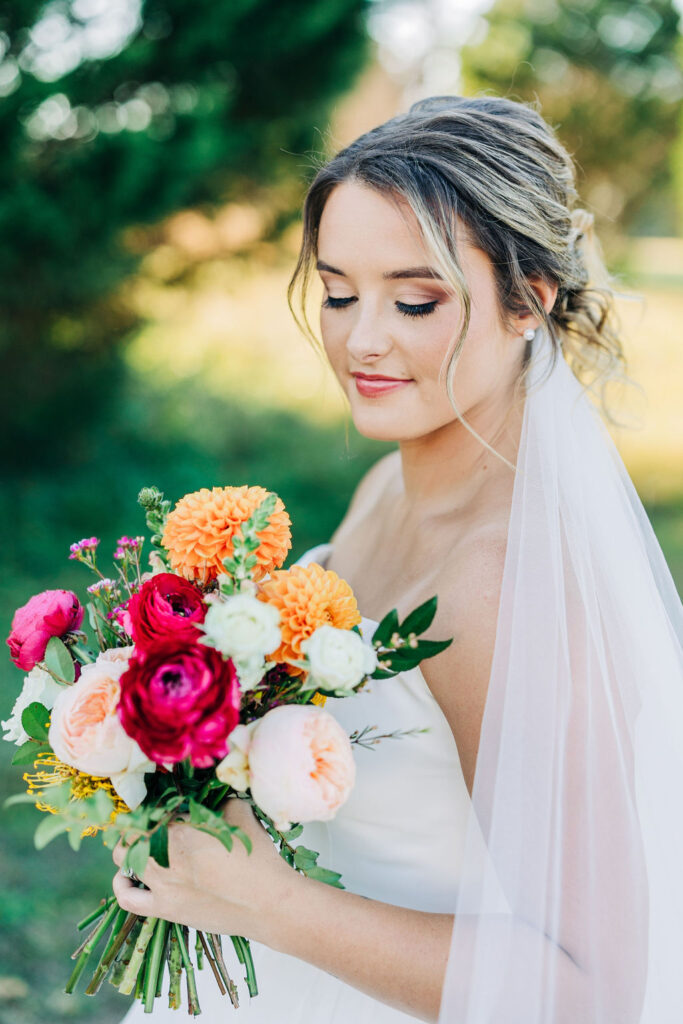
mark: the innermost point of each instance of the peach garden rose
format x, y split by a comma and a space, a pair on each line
301, 765
85, 731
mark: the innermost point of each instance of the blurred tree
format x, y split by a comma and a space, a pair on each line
116, 113
609, 75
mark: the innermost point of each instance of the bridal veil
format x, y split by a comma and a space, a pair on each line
579, 781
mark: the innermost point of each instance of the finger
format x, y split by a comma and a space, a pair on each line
131, 897
118, 853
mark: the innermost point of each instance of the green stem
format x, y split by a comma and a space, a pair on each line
164, 959
193, 998
133, 968
217, 947
243, 950
155, 964
175, 965
90, 945
105, 903
124, 959
122, 928
199, 952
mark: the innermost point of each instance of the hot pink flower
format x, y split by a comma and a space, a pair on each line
180, 701
51, 613
166, 607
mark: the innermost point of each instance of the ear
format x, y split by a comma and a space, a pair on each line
546, 292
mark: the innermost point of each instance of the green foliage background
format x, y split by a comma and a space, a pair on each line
232, 100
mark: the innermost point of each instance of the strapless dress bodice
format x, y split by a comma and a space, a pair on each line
399, 838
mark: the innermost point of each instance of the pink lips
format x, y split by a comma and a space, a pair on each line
373, 386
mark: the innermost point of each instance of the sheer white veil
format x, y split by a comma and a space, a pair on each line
574, 913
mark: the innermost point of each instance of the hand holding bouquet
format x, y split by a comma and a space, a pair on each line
204, 678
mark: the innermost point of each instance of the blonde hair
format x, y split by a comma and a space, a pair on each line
497, 165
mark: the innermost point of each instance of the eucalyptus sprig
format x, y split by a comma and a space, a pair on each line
156, 508
238, 566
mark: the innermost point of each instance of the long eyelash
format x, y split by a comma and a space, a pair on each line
422, 310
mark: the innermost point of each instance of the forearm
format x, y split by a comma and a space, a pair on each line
395, 955
399, 956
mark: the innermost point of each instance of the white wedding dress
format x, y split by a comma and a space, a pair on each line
393, 840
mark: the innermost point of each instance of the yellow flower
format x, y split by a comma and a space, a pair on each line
49, 770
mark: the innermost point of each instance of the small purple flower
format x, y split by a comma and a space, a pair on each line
105, 586
126, 545
82, 548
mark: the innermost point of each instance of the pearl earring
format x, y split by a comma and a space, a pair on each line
529, 334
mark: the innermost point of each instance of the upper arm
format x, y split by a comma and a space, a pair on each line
583, 824
468, 611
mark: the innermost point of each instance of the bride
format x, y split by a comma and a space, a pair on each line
521, 862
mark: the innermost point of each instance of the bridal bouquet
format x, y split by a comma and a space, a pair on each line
202, 678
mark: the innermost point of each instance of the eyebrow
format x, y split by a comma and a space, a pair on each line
389, 275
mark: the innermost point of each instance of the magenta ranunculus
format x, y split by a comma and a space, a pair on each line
179, 700
166, 607
51, 613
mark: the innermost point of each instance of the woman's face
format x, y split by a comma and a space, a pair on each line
386, 333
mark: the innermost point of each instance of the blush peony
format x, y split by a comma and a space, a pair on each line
51, 613
300, 763
180, 701
166, 607
85, 731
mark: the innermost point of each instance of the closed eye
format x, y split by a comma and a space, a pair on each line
403, 307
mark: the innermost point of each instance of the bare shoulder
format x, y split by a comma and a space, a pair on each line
369, 489
469, 596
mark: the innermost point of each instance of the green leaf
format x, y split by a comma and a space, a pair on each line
159, 846
325, 875
429, 648
242, 836
34, 720
75, 838
293, 833
26, 754
305, 859
58, 661
419, 619
137, 856
51, 826
21, 798
110, 838
223, 836
386, 629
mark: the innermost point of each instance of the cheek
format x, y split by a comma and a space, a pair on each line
334, 340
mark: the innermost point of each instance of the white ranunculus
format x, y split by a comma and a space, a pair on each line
243, 628
38, 686
250, 671
338, 658
233, 770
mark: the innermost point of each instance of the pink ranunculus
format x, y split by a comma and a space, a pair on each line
166, 607
301, 766
180, 700
51, 613
85, 731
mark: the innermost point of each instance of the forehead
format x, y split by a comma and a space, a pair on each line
360, 227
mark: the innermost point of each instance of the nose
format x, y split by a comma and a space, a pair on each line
368, 338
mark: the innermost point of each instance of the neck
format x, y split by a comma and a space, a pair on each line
447, 470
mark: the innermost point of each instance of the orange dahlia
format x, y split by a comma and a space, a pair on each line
199, 531
307, 597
